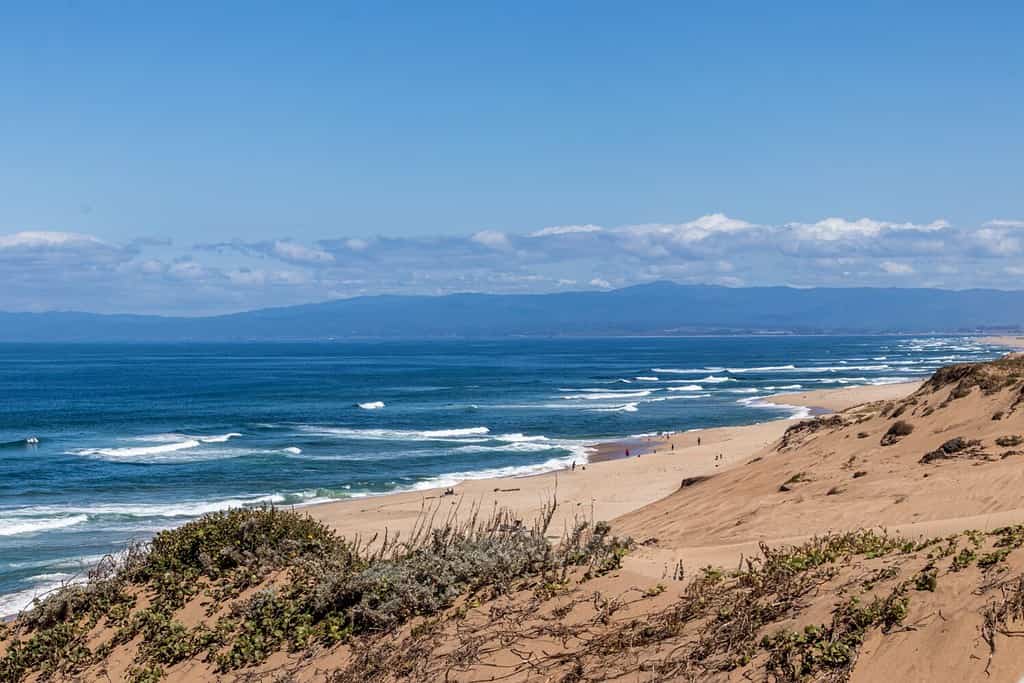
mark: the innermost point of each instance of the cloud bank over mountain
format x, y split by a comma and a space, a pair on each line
51, 270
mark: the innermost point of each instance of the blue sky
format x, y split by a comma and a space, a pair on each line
205, 157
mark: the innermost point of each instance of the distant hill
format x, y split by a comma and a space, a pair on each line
662, 308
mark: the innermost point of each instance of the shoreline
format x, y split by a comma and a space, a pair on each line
608, 486
1015, 342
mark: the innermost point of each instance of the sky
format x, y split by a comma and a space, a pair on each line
196, 158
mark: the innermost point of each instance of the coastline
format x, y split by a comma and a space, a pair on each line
1012, 341
608, 486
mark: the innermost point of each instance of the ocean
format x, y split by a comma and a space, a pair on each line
133, 439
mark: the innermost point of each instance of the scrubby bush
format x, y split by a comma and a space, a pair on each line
336, 588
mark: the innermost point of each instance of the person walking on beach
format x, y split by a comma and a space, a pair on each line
698, 441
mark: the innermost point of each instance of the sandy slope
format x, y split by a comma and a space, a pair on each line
745, 505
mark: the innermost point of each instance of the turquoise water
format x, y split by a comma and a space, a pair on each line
137, 438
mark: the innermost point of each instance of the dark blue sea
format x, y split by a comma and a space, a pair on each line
137, 438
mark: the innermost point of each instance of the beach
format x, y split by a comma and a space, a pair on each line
1012, 341
602, 490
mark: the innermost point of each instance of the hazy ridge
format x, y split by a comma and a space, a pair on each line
657, 308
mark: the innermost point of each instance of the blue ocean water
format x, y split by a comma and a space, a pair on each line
137, 438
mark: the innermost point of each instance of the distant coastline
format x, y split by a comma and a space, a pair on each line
1010, 341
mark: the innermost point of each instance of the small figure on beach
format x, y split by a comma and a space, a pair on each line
573, 465
698, 441
627, 452
672, 447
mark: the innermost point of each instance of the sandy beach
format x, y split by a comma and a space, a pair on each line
602, 490
1012, 341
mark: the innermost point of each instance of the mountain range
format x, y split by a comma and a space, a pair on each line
659, 308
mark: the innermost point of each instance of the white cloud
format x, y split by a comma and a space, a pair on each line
151, 266
728, 281
998, 241
289, 277
693, 231
566, 230
894, 268
833, 229
247, 277
37, 240
75, 270
492, 238
187, 270
291, 251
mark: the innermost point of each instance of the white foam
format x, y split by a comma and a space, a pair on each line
294, 450
762, 368
747, 390
813, 369
603, 390
19, 525
449, 433
514, 447
676, 398
135, 451
844, 368
594, 396
372, 405
647, 378
627, 408
12, 604
221, 438
166, 443
796, 412
579, 453
716, 379
179, 509
881, 381
687, 387
687, 371
396, 434
517, 437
